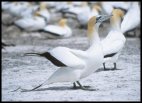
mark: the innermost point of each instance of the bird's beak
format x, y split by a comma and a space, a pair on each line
104, 17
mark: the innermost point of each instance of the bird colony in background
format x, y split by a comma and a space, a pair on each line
77, 64
35, 16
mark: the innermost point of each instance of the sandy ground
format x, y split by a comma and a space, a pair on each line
117, 85
27, 71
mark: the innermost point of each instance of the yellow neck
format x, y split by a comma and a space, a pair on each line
62, 24
115, 22
90, 32
42, 6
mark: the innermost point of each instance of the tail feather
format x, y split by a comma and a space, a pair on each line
48, 56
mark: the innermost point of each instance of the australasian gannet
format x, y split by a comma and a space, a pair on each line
76, 64
131, 19
62, 30
115, 40
37, 22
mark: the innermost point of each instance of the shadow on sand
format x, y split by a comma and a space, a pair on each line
59, 88
107, 69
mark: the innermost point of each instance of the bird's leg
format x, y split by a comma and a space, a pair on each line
134, 32
74, 85
104, 66
114, 65
83, 88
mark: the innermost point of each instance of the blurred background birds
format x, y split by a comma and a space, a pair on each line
61, 20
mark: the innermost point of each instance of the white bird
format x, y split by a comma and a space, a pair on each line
121, 5
44, 12
115, 40
6, 5
62, 30
95, 11
77, 3
107, 7
84, 16
36, 22
20, 9
77, 10
63, 6
31, 24
84, 13
132, 18
16, 8
76, 64
29, 10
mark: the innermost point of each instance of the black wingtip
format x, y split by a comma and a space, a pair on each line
48, 56
109, 55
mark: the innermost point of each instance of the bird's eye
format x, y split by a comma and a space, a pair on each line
98, 18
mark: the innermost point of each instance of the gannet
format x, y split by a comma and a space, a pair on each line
58, 31
78, 10
84, 16
84, 13
16, 8
121, 5
95, 11
107, 7
76, 64
20, 9
63, 6
44, 12
31, 24
6, 5
36, 22
132, 18
29, 10
115, 40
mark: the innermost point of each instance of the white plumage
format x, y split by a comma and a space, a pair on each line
36, 22
115, 40
132, 18
31, 24
84, 13
58, 31
107, 7
76, 64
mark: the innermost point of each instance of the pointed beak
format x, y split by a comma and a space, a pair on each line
104, 17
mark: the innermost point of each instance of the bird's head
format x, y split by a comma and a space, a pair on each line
15, 3
97, 19
69, 2
29, 4
84, 4
43, 6
97, 7
62, 22
37, 13
117, 15
95, 22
